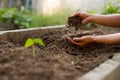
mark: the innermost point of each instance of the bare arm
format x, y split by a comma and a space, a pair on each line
112, 20
103, 39
108, 39
108, 20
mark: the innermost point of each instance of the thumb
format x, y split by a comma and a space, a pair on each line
77, 39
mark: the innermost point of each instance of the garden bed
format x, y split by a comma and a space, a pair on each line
58, 60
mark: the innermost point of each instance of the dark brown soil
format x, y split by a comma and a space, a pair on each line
74, 21
58, 60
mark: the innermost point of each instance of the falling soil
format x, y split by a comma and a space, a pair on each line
58, 60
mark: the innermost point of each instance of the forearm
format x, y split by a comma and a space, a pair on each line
108, 39
107, 20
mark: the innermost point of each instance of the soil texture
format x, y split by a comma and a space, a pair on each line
74, 21
58, 60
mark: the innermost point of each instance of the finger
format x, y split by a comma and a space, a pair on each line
86, 20
77, 14
80, 41
72, 41
84, 14
76, 43
77, 39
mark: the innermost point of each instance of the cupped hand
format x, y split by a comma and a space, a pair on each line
81, 41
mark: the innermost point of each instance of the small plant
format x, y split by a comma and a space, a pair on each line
31, 43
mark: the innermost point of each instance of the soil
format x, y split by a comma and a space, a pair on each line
58, 60
74, 21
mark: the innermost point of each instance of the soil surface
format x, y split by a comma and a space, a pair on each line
58, 60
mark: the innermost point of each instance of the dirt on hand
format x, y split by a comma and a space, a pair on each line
74, 21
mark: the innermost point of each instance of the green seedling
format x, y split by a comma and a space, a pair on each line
32, 42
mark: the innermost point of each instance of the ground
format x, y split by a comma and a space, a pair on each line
58, 60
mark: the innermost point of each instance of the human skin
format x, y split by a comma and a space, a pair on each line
107, 20
112, 20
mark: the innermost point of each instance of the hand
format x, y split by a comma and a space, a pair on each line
82, 41
86, 17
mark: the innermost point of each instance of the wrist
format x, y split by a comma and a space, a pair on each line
94, 17
95, 39
99, 39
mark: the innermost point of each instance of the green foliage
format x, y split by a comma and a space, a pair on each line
58, 18
19, 18
31, 42
110, 8
39, 42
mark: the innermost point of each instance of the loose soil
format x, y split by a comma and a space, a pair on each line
58, 60
74, 21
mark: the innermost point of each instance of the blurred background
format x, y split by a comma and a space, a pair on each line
16, 14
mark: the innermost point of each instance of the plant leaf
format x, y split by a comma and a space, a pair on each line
39, 41
29, 43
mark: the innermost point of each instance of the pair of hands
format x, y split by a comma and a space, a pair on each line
85, 40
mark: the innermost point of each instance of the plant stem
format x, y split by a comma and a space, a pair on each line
33, 51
